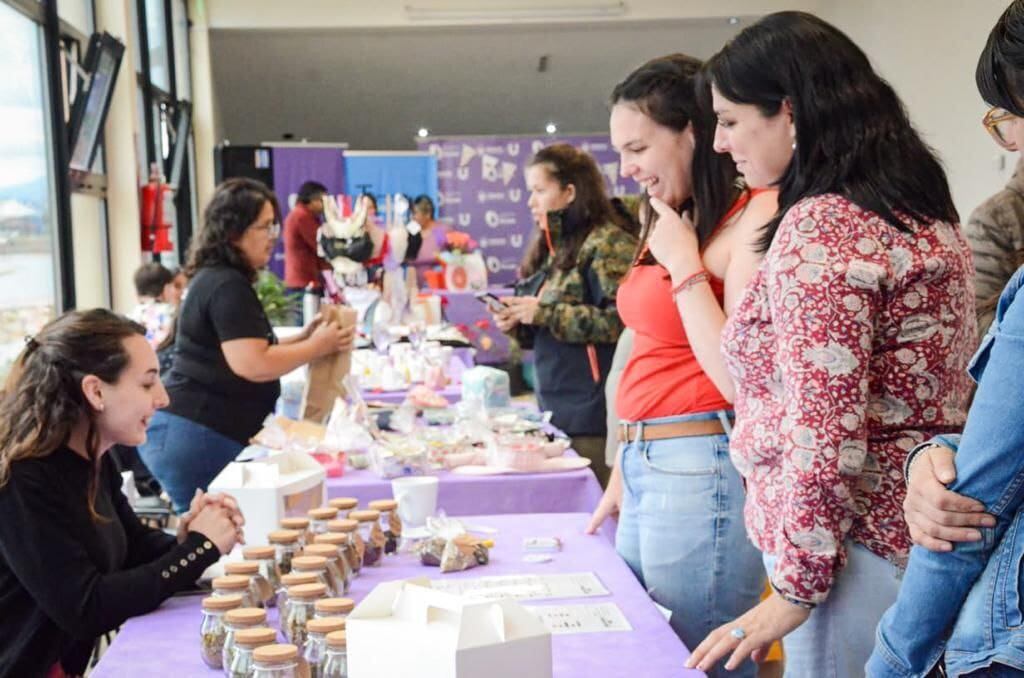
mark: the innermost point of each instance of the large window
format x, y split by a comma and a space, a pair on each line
28, 241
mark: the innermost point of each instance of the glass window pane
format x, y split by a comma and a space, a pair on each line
156, 34
78, 13
182, 60
27, 220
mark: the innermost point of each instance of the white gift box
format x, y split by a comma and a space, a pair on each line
281, 485
406, 628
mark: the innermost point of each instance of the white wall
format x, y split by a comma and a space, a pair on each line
927, 50
391, 13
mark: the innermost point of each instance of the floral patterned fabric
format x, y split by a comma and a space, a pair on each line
157, 317
848, 348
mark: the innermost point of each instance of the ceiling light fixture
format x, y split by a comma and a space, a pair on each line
509, 12
551, 128
423, 133
733, 20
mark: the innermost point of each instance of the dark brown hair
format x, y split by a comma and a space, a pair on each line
42, 399
150, 279
235, 205
670, 91
570, 166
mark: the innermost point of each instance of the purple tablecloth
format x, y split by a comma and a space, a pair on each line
452, 393
458, 495
166, 642
462, 308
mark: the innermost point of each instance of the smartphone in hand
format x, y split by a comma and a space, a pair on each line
494, 304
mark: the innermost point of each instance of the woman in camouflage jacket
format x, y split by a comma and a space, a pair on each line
565, 302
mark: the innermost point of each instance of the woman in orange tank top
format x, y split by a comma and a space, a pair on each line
679, 499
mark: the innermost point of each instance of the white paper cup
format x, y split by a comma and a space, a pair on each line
416, 497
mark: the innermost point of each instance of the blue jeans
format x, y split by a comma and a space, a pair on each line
184, 456
681, 532
837, 639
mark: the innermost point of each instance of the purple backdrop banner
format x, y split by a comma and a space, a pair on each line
295, 166
482, 190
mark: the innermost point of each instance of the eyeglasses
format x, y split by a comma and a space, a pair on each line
274, 229
999, 123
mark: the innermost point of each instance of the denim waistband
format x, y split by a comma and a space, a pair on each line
700, 416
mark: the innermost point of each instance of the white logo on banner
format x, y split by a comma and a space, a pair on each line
493, 242
494, 264
483, 197
489, 168
467, 154
508, 170
292, 199
513, 148
491, 218
449, 198
597, 147
463, 173
464, 218
585, 147
515, 194
537, 145
444, 174
434, 149
516, 240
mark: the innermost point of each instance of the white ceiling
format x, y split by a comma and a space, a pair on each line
373, 88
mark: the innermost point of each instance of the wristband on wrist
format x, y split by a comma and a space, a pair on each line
691, 281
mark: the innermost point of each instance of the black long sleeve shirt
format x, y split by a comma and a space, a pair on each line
66, 579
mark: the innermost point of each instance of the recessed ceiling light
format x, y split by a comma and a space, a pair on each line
551, 128
423, 132
733, 20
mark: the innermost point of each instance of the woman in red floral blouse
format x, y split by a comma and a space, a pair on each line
850, 344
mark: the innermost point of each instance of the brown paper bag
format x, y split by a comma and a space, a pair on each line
324, 384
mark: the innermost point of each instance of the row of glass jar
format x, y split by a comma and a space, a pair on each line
235, 639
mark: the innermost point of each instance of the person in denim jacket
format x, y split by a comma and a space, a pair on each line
962, 598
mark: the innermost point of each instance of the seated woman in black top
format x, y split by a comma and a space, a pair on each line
75, 562
227, 362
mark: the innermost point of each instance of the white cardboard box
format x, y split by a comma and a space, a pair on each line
406, 628
281, 485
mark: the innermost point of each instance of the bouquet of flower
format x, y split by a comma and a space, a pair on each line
464, 267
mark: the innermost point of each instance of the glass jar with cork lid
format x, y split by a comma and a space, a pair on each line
301, 607
390, 523
266, 556
370, 535
234, 584
286, 546
287, 581
259, 587
353, 554
212, 630
278, 661
300, 524
334, 607
344, 504
315, 564
336, 570
336, 661
319, 517
338, 542
315, 653
247, 641
236, 620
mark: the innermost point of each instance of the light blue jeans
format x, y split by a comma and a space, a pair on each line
184, 456
838, 637
681, 532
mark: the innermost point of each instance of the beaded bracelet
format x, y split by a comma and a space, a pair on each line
695, 279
